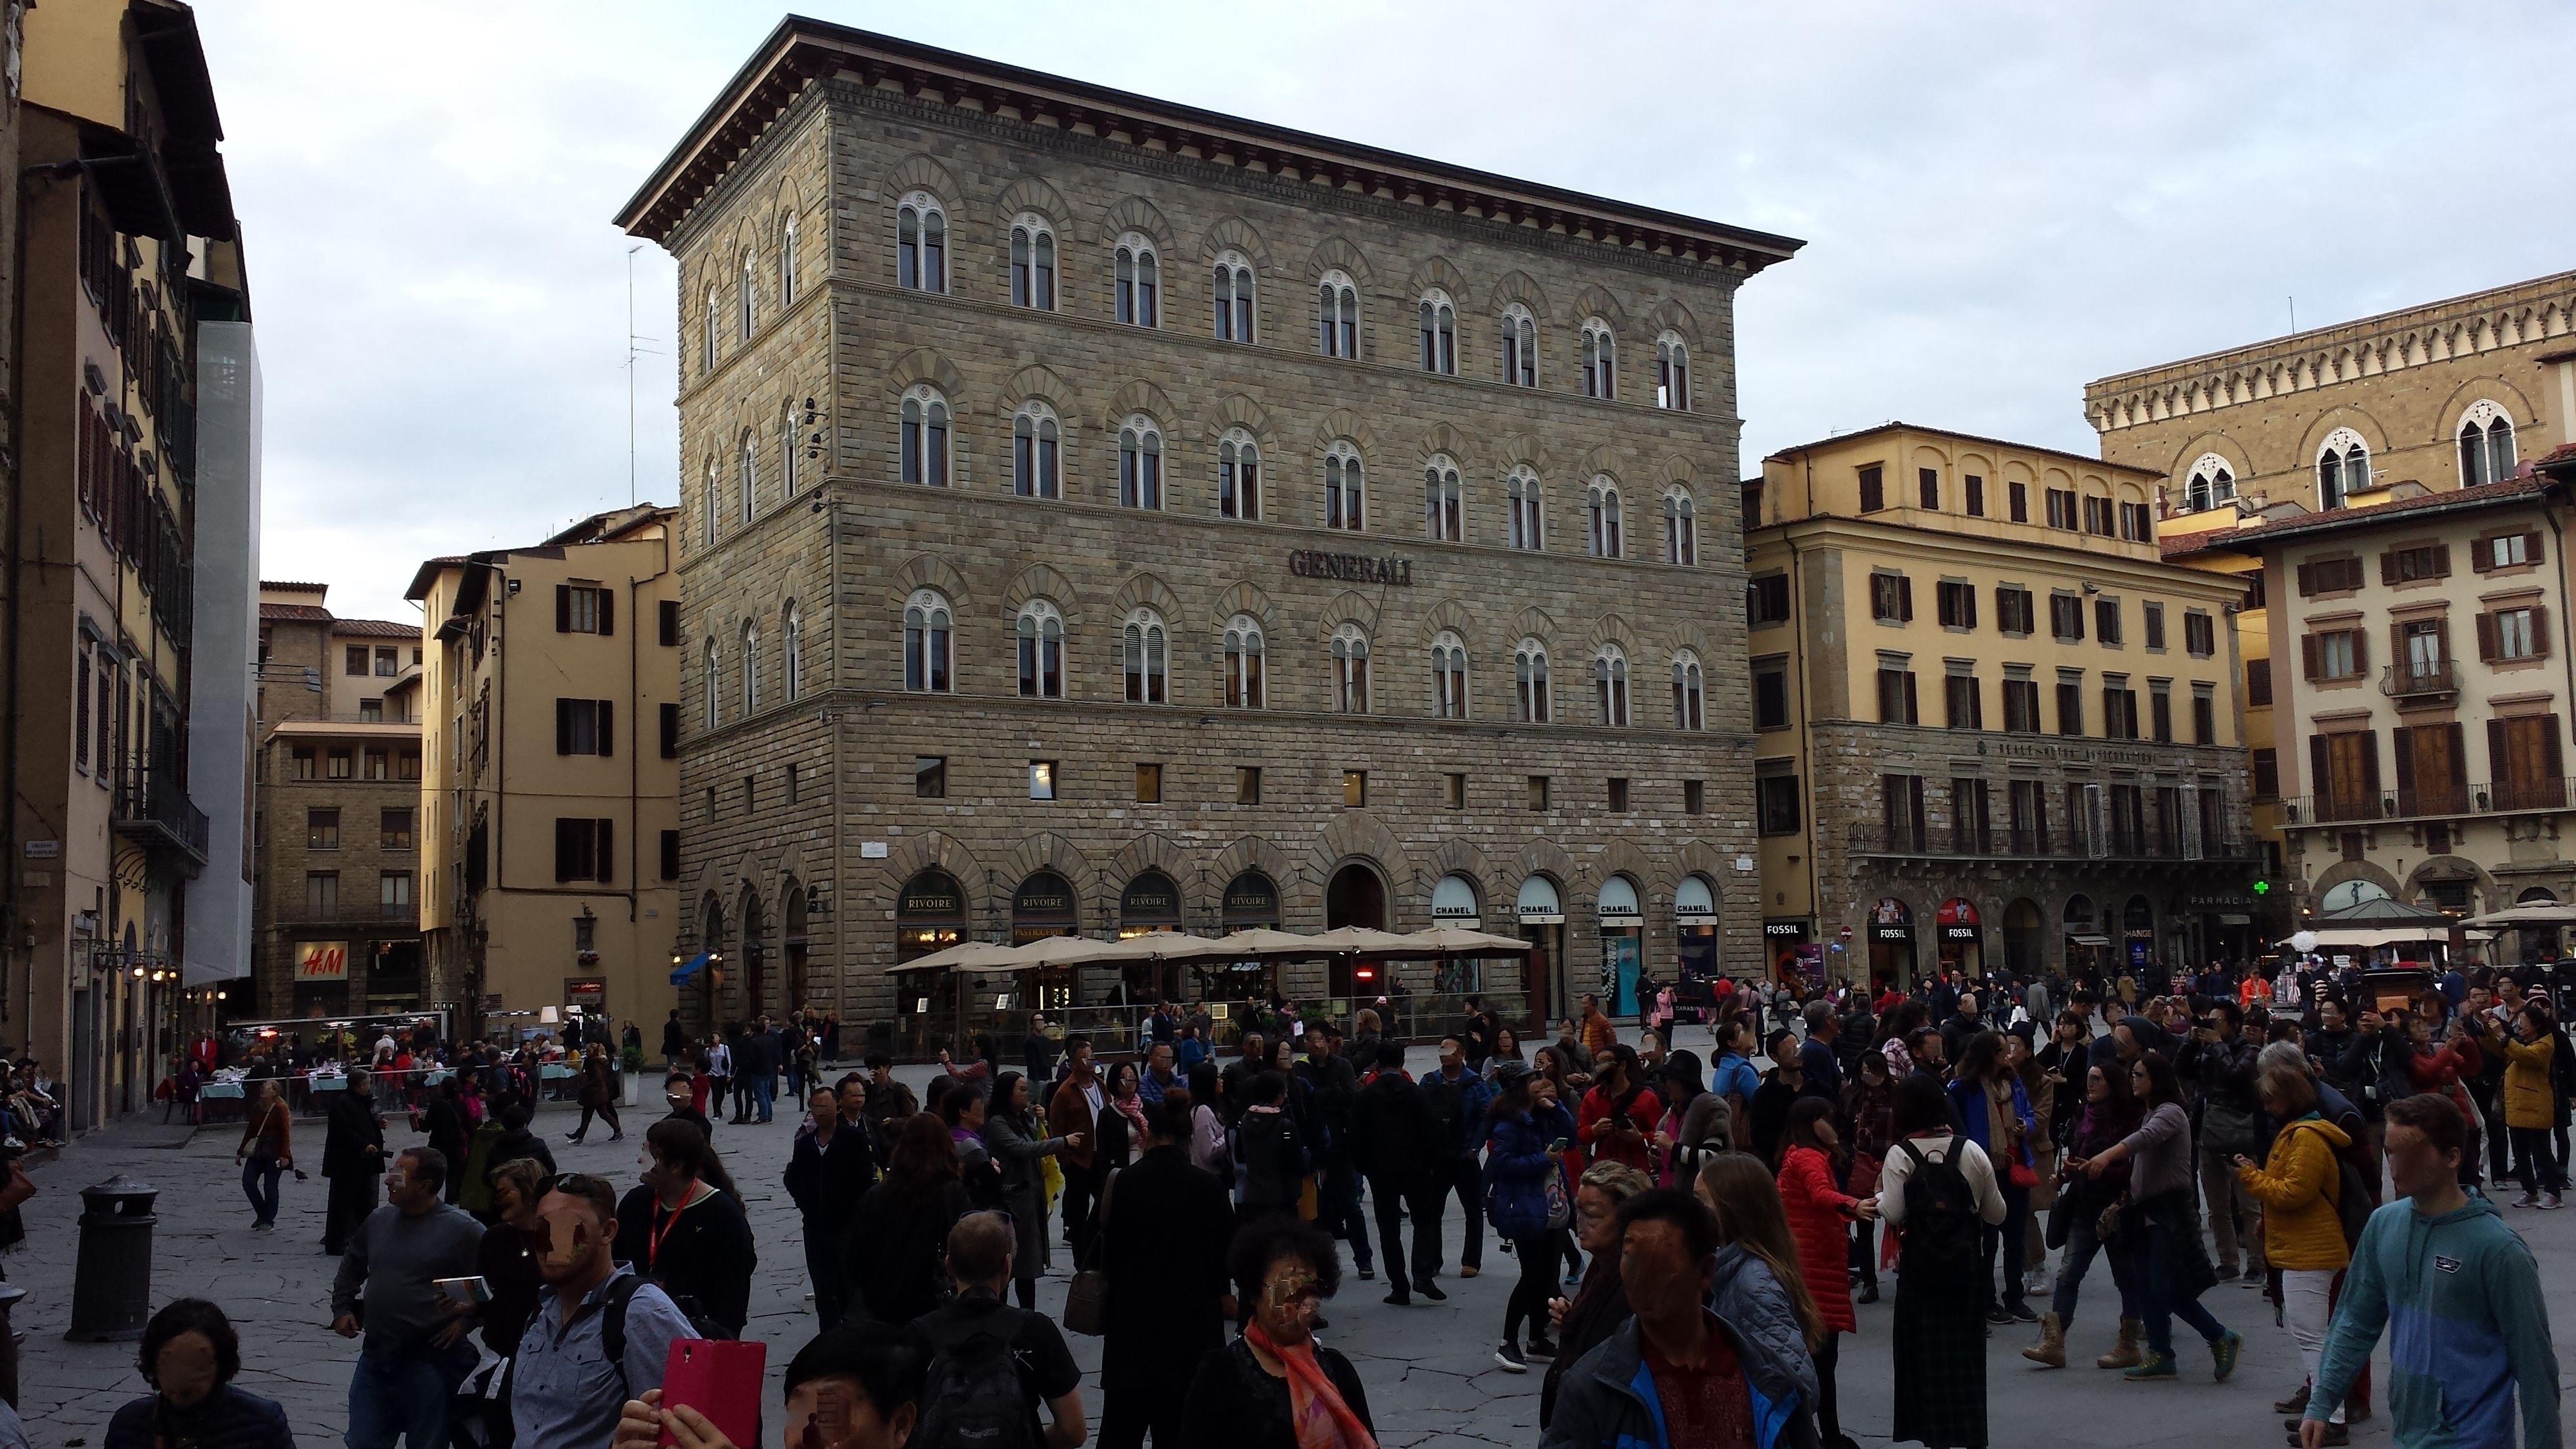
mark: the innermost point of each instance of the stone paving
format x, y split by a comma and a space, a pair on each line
1429, 1368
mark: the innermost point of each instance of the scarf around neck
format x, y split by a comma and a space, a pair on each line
1315, 1407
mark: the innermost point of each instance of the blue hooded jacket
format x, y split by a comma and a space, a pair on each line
1516, 1169
1609, 1399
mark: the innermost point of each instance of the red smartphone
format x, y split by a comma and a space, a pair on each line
719, 1378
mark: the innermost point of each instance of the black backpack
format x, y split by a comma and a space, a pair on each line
612, 1320
977, 1393
1941, 1222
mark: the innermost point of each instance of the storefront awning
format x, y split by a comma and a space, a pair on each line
2088, 939
686, 971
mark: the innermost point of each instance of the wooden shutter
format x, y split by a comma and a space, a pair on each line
2531, 546
2388, 567
607, 611
563, 608
2370, 769
2458, 734
2360, 654
2307, 656
605, 863
1905, 598
563, 725
2499, 753
2396, 645
2441, 560
568, 843
2486, 638
2554, 758
2402, 738
2482, 555
2442, 637
1912, 715
604, 728
668, 612
2307, 581
2320, 776
2540, 628
670, 725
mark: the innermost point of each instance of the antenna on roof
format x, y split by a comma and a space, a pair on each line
632, 352
2294, 316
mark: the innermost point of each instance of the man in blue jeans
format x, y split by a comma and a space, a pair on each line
415, 1352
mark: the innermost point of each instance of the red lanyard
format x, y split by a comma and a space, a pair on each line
653, 1247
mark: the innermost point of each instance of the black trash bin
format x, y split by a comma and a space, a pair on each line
112, 1280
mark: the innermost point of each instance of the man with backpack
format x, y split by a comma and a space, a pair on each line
991, 1365
1458, 1098
593, 1313
1397, 1142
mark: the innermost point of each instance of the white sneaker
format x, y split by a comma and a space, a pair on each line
2528, 1199
2551, 1200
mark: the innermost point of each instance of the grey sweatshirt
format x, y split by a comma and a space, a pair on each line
2160, 1153
395, 1258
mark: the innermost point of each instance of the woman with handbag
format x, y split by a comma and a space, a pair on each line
1867, 1112
2164, 1213
2085, 1206
1820, 1218
1018, 1144
1991, 1104
1526, 1136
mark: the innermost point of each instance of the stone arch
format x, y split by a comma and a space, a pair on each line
1045, 850
1033, 194
1136, 214
919, 172
2341, 415
1459, 856
1442, 438
1601, 462
1141, 396
2344, 870
1519, 286
1152, 850
1513, 449
1343, 423
2492, 388
1670, 314
1611, 628
1533, 622
1233, 233
1148, 591
1686, 633
917, 851
1243, 597
1547, 858
1348, 607
1238, 410
1453, 617
1261, 853
1043, 581
1595, 301
1619, 857
1674, 468
2456, 867
924, 365
1440, 272
1337, 254
1040, 383
928, 571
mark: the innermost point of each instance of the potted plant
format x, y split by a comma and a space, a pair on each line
630, 1066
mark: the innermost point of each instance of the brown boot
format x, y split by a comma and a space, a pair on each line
2123, 1354
2051, 1348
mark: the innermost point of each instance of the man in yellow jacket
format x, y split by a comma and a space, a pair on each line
2299, 1186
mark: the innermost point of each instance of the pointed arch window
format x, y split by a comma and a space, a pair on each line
791, 653
750, 670
1140, 464
1672, 373
1529, 681
748, 466
1145, 648
1034, 442
1439, 334
2486, 445
787, 261
1610, 686
1521, 496
1233, 298
1040, 628
1600, 360
1345, 500
2343, 468
1350, 670
1032, 264
1243, 663
926, 643
1601, 515
1520, 346
787, 451
747, 294
1238, 475
1140, 282
1448, 676
711, 676
1337, 316
923, 423
2211, 483
714, 506
714, 325
1444, 512
1689, 695
1681, 528
921, 244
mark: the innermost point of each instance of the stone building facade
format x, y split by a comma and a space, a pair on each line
1993, 728
1293, 514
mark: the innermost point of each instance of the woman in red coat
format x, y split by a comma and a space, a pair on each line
1820, 1216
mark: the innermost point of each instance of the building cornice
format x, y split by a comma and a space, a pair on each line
1992, 554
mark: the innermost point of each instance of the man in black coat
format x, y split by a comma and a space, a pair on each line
353, 1158
827, 1172
1164, 1227
1336, 1087
675, 1038
1396, 1140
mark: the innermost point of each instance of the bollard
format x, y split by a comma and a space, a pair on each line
112, 1279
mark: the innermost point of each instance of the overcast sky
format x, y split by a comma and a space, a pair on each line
2000, 203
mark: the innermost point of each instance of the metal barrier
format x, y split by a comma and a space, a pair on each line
1118, 1032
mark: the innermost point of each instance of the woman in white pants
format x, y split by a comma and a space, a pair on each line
2299, 1185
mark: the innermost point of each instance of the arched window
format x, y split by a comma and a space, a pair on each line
1688, 696
1444, 513
1243, 669
1600, 360
747, 294
925, 643
1041, 635
924, 428
714, 324
1140, 464
2343, 468
1337, 316
1032, 264
791, 653
711, 674
1672, 373
1350, 670
1521, 494
1439, 334
1238, 475
2486, 444
1601, 515
1233, 298
1146, 650
1448, 676
1610, 685
1345, 503
787, 452
2211, 483
1140, 282
787, 261
1529, 679
750, 670
1033, 452
713, 506
748, 466
920, 244
1681, 528
1520, 346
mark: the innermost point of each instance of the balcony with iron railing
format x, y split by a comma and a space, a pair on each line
2412, 679
156, 813
2028, 844
2436, 802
